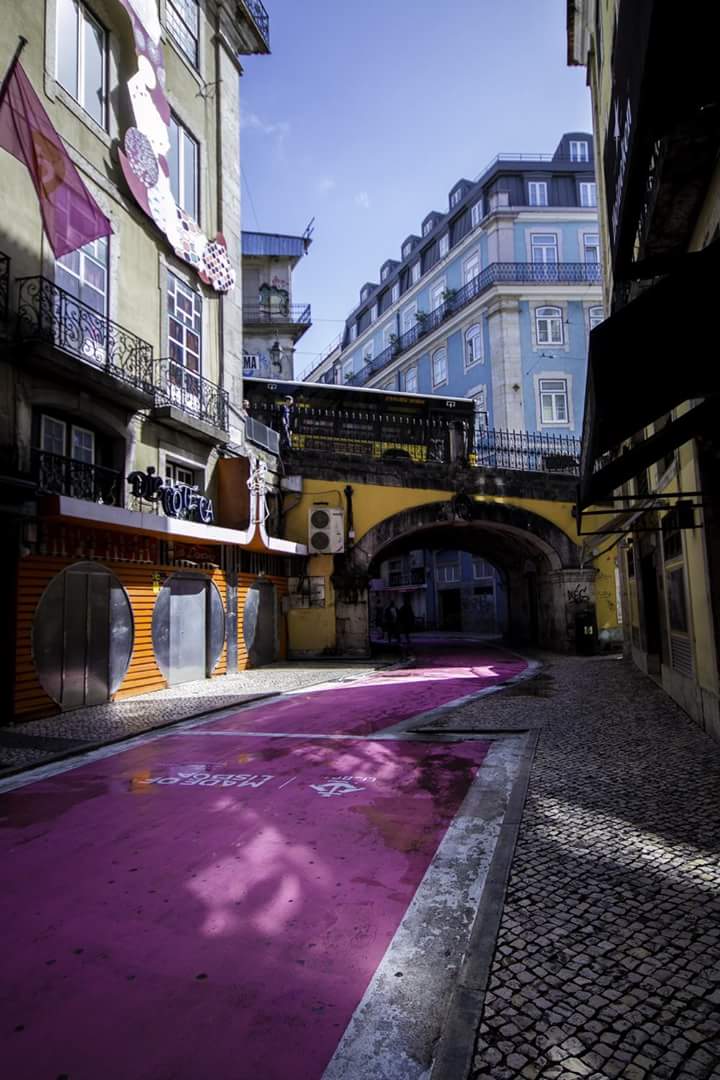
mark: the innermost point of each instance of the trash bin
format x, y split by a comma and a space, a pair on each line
585, 634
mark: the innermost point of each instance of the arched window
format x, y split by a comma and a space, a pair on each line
473, 345
439, 367
549, 326
595, 316
411, 380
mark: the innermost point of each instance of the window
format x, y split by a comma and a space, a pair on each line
481, 413
52, 435
544, 247
537, 193
364, 294
677, 604
415, 273
591, 248
588, 194
471, 268
473, 345
183, 22
383, 276
448, 574
408, 318
184, 324
389, 331
179, 474
183, 165
353, 331
439, 367
82, 445
595, 317
347, 370
373, 313
84, 274
456, 197
579, 151
444, 245
436, 295
368, 351
82, 58
428, 226
395, 293
553, 401
549, 325
410, 380
476, 214
407, 248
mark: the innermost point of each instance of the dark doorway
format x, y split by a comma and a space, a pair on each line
450, 609
651, 612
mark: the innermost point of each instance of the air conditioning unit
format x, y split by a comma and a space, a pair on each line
326, 530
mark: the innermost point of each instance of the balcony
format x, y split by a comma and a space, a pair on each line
529, 451
294, 317
56, 475
4, 287
49, 316
261, 435
500, 273
260, 23
187, 401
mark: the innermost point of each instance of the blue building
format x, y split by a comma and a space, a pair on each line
492, 299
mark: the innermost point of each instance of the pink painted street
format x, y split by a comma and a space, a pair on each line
218, 900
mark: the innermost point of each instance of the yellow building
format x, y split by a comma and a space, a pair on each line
650, 440
130, 565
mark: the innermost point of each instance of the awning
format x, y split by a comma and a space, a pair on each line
645, 360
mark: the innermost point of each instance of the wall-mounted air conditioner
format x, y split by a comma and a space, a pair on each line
326, 530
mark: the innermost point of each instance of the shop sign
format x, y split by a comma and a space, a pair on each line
177, 500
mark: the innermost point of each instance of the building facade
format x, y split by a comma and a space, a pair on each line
134, 539
494, 300
273, 323
650, 447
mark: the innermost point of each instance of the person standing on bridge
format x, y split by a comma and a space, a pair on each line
405, 622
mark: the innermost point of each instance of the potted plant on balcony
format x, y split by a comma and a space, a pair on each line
448, 295
394, 341
422, 320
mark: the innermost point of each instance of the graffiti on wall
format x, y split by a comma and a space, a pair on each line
144, 158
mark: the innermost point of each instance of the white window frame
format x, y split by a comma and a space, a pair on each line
97, 252
185, 139
179, 287
176, 22
395, 293
473, 345
373, 312
537, 193
412, 370
348, 368
588, 193
476, 214
456, 197
436, 290
479, 395
368, 351
441, 352
85, 431
552, 315
586, 247
556, 394
444, 245
579, 150
43, 429
77, 93
407, 249
384, 275
594, 319
447, 573
428, 227
389, 331
468, 264
174, 471
415, 272
364, 294
353, 331
407, 318
542, 244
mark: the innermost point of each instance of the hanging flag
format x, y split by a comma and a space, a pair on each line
70, 215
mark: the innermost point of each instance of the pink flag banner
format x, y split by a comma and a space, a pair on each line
70, 215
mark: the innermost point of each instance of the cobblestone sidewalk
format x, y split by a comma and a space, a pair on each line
607, 962
39, 741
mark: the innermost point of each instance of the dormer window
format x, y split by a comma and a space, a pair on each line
353, 331
537, 193
395, 293
456, 197
579, 151
415, 272
407, 248
373, 313
444, 245
384, 273
476, 214
364, 294
428, 227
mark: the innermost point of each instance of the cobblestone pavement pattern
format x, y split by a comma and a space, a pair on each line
607, 962
38, 741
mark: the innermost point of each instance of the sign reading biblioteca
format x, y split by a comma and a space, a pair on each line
177, 500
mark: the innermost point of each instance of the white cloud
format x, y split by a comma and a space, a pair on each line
362, 199
256, 123
326, 184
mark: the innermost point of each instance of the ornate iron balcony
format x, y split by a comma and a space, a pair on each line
4, 286
57, 475
261, 18
198, 397
286, 313
49, 314
500, 273
531, 451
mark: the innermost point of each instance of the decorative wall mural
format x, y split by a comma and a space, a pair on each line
144, 161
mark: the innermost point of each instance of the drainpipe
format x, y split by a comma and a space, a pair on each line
348, 491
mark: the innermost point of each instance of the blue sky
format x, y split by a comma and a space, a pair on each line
366, 114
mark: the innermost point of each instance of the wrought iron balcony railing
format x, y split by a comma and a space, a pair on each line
261, 18
286, 313
49, 314
531, 451
57, 475
500, 273
190, 392
4, 286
